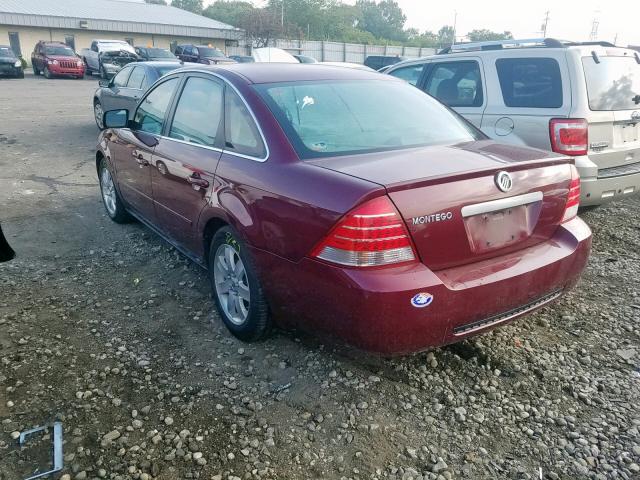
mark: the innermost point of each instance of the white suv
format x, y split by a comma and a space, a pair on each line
578, 99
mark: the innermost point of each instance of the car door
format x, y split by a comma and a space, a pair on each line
92, 60
186, 157
113, 96
133, 148
458, 84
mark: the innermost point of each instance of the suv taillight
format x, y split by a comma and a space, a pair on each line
573, 197
569, 136
370, 235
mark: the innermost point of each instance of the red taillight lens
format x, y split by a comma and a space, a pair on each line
573, 197
372, 234
569, 136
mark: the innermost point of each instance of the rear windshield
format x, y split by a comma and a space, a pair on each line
64, 51
612, 84
159, 53
330, 118
210, 52
6, 52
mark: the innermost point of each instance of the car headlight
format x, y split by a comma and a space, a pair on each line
80, 64
18, 64
52, 62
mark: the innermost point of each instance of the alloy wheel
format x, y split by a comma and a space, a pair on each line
108, 191
232, 284
98, 113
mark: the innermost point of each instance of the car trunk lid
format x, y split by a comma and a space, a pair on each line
450, 201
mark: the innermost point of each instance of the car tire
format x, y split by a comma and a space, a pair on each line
98, 113
236, 288
111, 200
47, 73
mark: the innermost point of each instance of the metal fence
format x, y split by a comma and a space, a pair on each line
336, 51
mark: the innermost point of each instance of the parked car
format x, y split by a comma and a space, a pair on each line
6, 252
54, 59
150, 54
107, 57
357, 66
376, 62
577, 99
242, 58
127, 86
201, 54
10, 65
392, 223
305, 59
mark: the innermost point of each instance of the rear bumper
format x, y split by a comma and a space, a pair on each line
373, 308
598, 186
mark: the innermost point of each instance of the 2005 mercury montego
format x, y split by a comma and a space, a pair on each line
343, 201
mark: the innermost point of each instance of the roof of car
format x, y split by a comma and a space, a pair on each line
292, 72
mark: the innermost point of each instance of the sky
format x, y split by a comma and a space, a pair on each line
568, 19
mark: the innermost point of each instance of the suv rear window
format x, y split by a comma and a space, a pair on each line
612, 84
530, 82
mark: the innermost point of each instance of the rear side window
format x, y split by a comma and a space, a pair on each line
151, 112
456, 84
199, 112
410, 74
612, 84
241, 133
530, 82
137, 78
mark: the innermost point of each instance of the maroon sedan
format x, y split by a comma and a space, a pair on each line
342, 201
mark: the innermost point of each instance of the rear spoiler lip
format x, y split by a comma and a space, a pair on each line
514, 167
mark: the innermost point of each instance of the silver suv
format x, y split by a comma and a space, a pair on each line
578, 99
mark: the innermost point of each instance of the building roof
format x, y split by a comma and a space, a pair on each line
113, 15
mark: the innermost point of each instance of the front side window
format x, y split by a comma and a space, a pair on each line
613, 83
456, 84
136, 79
330, 118
120, 80
530, 82
198, 112
410, 74
150, 114
240, 131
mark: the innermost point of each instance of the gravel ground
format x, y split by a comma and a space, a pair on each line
109, 330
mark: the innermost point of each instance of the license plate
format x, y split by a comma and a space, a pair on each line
492, 230
630, 133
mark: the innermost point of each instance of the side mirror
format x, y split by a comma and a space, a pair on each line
116, 119
104, 83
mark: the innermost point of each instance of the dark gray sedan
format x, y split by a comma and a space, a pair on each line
125, 89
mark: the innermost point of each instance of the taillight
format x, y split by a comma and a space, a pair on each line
569, 136
370, 235
573, 198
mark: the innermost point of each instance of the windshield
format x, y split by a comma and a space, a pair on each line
63, 51
210, 52
612, 84
345, 117
6, 52
159, 53
111, 46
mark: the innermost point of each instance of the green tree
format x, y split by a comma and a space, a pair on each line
232, 12
384, 20
484, 35
445, 37
194, 6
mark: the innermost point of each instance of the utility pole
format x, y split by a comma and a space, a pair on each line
545, 23
593, 36
282, 14
455, 19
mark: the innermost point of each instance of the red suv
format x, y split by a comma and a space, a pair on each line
56, 59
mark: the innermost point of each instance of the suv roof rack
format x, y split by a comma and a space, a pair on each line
514, 43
